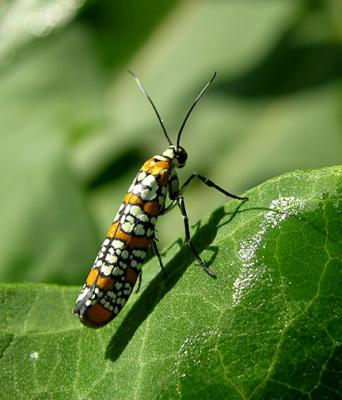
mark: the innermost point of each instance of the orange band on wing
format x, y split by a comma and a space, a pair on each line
132, 199
112, 230
155, 167
159, 168
105, 283
164, 177
152, 208
93, 274
140, 242
148, 164
131, 275
98, 315
133, 241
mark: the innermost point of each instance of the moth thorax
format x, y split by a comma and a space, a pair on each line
177, 154
170, 152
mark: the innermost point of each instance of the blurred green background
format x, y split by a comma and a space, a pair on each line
74, 127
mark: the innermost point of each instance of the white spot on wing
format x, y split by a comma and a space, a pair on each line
124, 254
153, 220
139, 230
149, 193
135, 210
127, 227
137, 189
117, 271
139, 253
141, 176
83, 294
143, 217
107, 270
127, 218
111, 259
149, 232
117, 244
150, 181
127, 209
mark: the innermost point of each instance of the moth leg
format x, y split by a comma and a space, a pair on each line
209, 183
170, 207
181, 205
139, 282
156, 252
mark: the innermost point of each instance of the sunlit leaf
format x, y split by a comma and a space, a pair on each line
268, 327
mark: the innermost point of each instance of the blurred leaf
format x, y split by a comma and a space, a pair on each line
289, 68
235, 139
120, 28
75, 129
23, 21
173, 84
55, 94
49, 233
267, 327
218, 125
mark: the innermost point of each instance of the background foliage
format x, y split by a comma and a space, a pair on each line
74, 127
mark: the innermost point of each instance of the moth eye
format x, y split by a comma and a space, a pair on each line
181, 157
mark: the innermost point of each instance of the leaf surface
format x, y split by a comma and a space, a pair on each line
267, 327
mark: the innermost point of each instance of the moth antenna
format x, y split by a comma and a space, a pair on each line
141, 86
192, 107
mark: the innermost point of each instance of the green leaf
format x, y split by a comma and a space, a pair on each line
74, 127
268, 327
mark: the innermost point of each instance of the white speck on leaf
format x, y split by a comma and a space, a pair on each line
34, 355
190, 351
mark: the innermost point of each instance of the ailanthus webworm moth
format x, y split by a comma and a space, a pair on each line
118, 263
